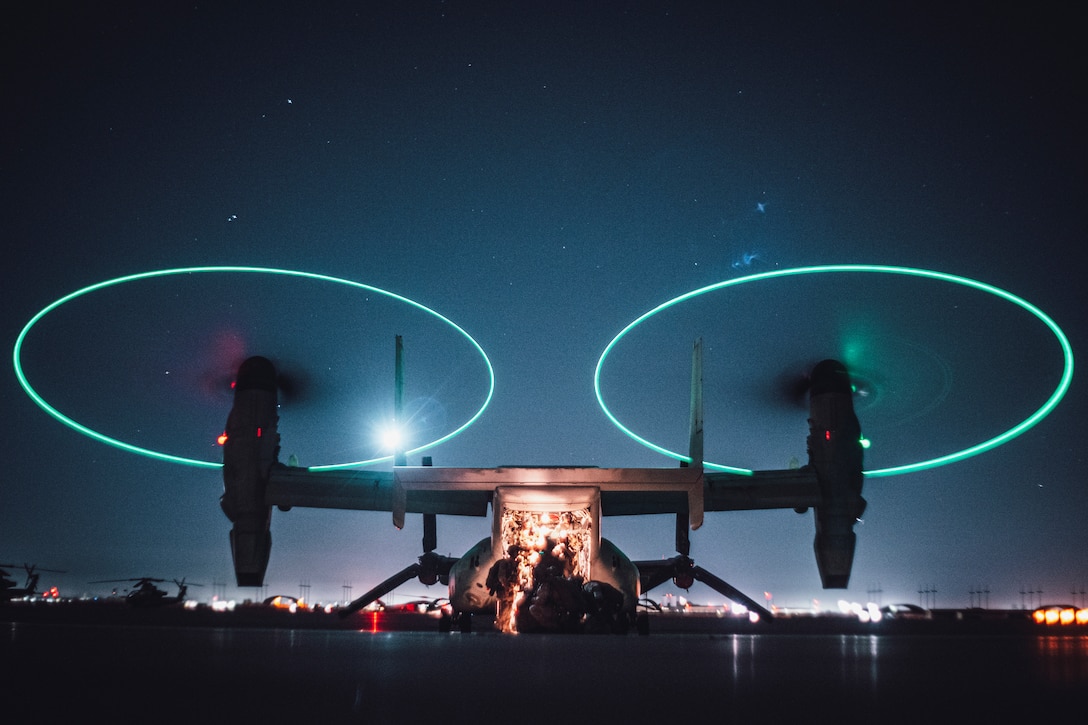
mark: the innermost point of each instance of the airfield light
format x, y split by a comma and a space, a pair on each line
188, 271
1060, 616
1024, 425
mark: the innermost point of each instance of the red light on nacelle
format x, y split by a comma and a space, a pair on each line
258, 432
827, 435
222, 439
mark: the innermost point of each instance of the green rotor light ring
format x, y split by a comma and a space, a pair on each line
1038, 415
30, 391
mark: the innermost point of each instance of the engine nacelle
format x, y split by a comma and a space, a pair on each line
250, 450
836, 454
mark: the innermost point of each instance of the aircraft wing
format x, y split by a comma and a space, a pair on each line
366, 491
793, 488
790, 488
468, 491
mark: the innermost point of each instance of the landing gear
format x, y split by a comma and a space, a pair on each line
429, 569
681, 569
464, 622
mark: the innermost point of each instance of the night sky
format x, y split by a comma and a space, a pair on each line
542, 174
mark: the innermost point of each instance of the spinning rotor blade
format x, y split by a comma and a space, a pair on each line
790, 387
293, 381
31, 568
139, 580
294, 385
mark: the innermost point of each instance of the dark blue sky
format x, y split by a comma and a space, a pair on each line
542, 174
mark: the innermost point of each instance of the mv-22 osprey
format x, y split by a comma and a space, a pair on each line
545, 565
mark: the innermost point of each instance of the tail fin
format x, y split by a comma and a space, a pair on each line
398, 402
695, 438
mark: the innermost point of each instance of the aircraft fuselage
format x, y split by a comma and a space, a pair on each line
545, 565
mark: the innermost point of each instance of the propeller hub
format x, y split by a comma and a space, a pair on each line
256, 373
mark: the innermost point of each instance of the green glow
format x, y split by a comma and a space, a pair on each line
16, 355
1038, 415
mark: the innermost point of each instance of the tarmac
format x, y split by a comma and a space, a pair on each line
934, 622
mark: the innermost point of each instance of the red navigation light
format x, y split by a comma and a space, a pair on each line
222, 438
827, 435
258, 432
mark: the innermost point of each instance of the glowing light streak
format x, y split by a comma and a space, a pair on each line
101, 437
1016, 430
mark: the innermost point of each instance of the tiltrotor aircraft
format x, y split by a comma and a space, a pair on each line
545, 566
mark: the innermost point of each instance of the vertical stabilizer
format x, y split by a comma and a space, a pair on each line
399, 458
695, 439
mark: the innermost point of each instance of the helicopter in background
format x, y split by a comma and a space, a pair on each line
146, 594
9, 592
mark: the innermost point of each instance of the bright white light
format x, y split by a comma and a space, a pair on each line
854, 609
391, 437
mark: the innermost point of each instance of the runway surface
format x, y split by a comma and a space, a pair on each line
154, 673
